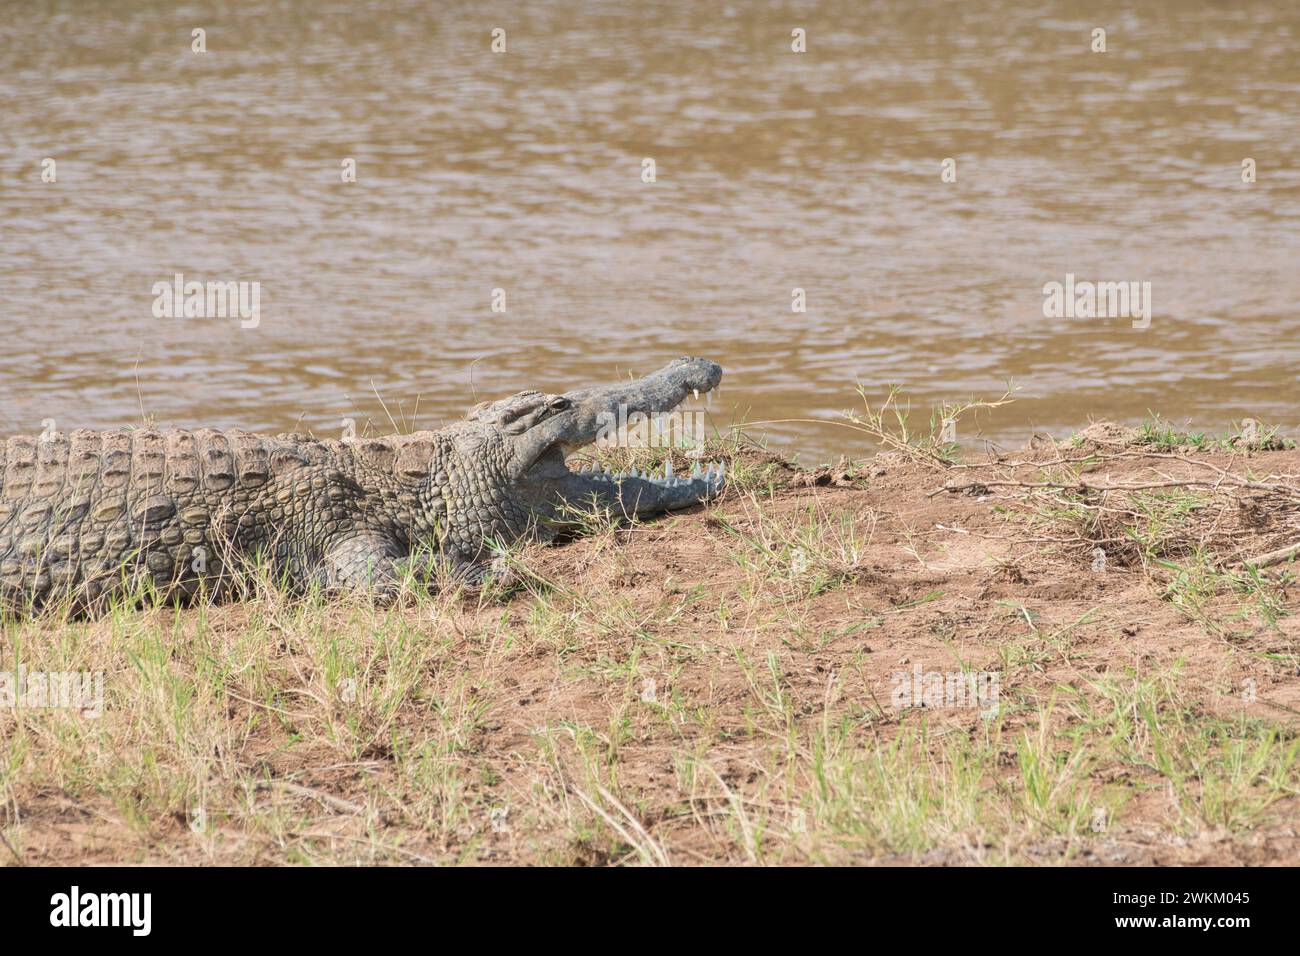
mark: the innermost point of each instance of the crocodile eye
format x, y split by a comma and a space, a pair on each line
560, 403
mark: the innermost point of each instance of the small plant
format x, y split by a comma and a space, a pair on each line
808, 553
1160, 435
888, 425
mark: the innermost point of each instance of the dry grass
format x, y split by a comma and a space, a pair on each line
713, 687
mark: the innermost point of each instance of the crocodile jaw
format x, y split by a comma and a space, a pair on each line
592, 409
635, 494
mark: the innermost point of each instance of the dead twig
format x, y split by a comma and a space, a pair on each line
1084, 488
336, 803
1280, 556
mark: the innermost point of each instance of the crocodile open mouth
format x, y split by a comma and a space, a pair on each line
589, 414
709, 477
651, 432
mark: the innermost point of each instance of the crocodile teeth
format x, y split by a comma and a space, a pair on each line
695, 472
697, 393
668, 468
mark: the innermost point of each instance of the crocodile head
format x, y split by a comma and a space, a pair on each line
541, 431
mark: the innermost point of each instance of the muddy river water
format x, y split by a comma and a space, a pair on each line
912, 180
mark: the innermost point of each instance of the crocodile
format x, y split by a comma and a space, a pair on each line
88, 515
